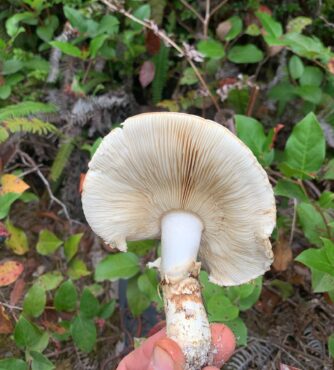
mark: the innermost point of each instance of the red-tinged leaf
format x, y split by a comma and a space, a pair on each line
3, 232
277, 129
6, 326
287, 367
17, 292
152, 42
9, 272
146, 74
265, 9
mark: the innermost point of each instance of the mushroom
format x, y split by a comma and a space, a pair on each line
192, 183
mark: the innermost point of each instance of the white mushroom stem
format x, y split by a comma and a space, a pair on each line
186, 319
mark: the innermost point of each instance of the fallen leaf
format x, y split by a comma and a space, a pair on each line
9, 272
223, 29
6, 326
13, 184
17, 241
146, 74
268, 301
17, 292
152, 42
282, 254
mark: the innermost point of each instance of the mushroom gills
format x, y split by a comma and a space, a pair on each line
186, 318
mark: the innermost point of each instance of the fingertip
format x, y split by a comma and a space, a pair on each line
224, 343
172, 348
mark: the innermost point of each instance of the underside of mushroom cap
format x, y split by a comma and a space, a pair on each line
162, 162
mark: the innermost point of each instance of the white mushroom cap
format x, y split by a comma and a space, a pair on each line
162, 162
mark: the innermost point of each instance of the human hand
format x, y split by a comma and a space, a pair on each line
161, 353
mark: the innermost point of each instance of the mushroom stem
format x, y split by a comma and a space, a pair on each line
186, 319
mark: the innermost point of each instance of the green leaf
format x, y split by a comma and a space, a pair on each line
239, 329
13, 364
141, 247
6, 200
289, 189
245, 54
326, 200
96, 44
83, 332
28, 335
296, 67
316, 259
251, 132
253, 30
40, 362
273, 28
17, 241
47, 243
138, 301
11, 66
46, 31
142, 13
34, 301
67, 48
211, 49
89, 305
76, 19
189, 77
66, 297
236, 28
221, 309
296, 25
117, 266
12, 23
329, 249
108, 24
5, 91
50, 280
77, 269
331, 345
329, 171
312, 76
305, 148
148, 284
209, 289
107, 310
248, 301
71, 246
311, 94
312, 223
321, 281
161, 63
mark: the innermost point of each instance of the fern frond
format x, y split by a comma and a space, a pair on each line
33, 125
61, 159
25, 109
160, 61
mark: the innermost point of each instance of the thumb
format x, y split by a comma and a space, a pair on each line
161, 360
167, 355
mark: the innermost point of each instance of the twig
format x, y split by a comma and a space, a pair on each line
192, 9
251, 103
116, 7
206, 19
11, 306
28, 161
293, 224
217, 7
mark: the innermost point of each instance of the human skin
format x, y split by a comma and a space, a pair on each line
161, 353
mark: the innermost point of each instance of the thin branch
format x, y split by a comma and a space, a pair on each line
192, 9
28, 161
116, 7
11, 306
293, 224
217, 7
206, 19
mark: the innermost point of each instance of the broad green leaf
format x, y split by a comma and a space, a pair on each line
248, 301
89, 305
66, 297
107, 310
28, 336
329, 171
34, 301
67, 48
11, 66
108, 24
311, 94
6, 200
245, 54
50, 280
71, 246
209, 289
239, 329
236, 28
211, 48
312, 222
312, 76
253, 30
251, 132
321, 281
326, 200
289, 189
77, 269
47, 243
76, 19
96, 44
272, 28
316, 259
331, 345
46, 31
12, 24
141, 247
17, 241
296, 67
40, 362
142, 13
148, 284
13, 364
296, 25
117, 266
221, 309
305, 148
5, 91
329, 249
189, 77
138, 301
83, 333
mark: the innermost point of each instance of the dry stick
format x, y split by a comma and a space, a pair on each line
116, 7
254, 94
27, 160
293, 224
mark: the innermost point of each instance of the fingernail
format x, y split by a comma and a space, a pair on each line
162, 360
